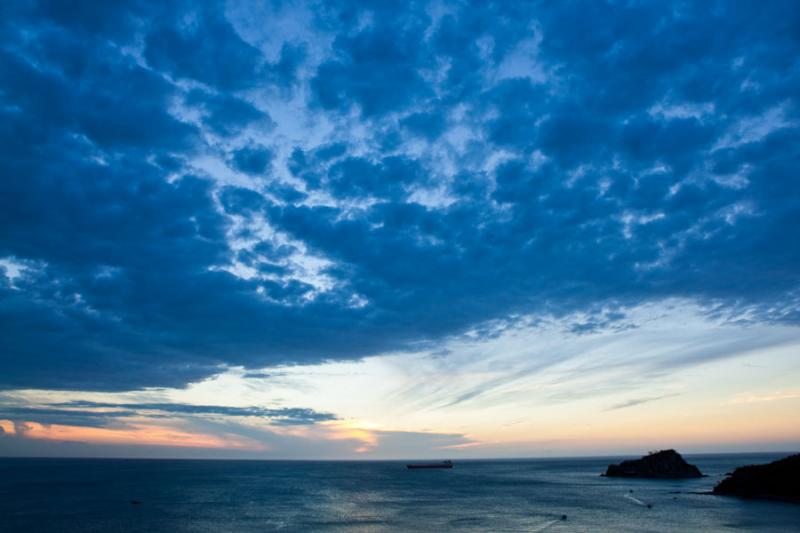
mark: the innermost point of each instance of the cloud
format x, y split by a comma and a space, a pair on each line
205, 47
765, 397
633, 402
374, 68
103, 414
252, 159
280, 416
142, 429
258, 375
70, 417
225, 114
421, 195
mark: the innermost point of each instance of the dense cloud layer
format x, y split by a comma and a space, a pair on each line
179, 193
96, 414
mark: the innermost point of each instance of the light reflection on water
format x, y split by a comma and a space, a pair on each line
523, 495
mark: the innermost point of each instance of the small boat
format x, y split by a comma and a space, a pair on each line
443, 464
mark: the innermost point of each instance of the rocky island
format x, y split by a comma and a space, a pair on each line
778, 480
666, 464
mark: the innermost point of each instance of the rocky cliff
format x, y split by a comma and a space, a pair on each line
779, 480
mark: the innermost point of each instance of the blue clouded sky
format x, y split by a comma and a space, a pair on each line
203, 199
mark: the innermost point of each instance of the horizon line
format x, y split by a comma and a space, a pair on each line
385, 460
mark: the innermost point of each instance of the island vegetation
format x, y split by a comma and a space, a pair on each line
778, 480
664, 464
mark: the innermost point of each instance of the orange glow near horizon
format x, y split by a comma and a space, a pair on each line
144, 434
366, 438
8, 427
135, 434
677, 432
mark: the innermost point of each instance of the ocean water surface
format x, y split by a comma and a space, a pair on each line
88, 495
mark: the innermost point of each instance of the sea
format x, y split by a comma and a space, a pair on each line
553, 495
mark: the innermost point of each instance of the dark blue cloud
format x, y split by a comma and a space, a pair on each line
118, 105
278, 415
252, 159
199, 43
226, 114
651, 156
284, 71
427, 125
87, 19
239, 200
359, 177
85, 413
377, 68
204, 47
520, 104
69, 417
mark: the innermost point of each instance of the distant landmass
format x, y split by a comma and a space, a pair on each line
778, 480
665, 464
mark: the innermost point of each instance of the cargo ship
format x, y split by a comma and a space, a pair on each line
443, 464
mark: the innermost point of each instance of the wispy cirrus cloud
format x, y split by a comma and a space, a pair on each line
750, 397
633, 402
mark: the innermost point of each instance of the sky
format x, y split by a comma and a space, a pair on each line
334, 230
